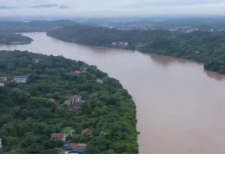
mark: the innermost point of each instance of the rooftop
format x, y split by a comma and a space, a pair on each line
57, 135
78, 146
21, 76
85, 131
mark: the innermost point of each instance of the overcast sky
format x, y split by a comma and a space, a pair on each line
111, 7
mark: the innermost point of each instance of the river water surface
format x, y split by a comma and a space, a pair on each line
180, 106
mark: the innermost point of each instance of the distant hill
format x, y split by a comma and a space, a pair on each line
33, 26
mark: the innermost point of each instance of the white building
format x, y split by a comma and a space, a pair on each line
20, 79
99, 80
2, 84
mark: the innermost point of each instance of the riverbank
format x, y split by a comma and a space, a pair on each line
179, 105
204, 47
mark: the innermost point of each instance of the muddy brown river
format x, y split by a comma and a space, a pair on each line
180, 106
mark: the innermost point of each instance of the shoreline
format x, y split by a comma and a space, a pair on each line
111, 47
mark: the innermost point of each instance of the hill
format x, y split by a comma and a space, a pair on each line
32, 111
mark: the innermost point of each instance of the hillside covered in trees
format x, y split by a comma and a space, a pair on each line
97, 36
205, 47
10, 38
29, 117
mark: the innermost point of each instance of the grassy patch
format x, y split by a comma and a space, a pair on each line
67, 130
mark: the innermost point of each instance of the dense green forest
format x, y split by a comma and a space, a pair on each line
97, 36
10, 38
204, 47
28, 117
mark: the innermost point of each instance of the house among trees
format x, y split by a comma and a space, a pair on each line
123, 43
36, 60
74, 109
99, 80
4, 79
58, 136
77, 98
82, 68
126, 43
70, 100
83, 132
76, 148
2, 84
20, 79
77, 71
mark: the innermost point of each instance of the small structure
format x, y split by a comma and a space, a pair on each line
82, 68
70, 99
58, 136
4, 79
74, 109
76, 148
77, 71
67, 144
77, 98
0, 143
36, 60
114, 43
81, 101
126, 43
99, 80
79, 146
83, 132
120, 43
52, 99
20, 79
2, 84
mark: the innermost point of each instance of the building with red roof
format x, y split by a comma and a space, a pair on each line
77, 71
84, 131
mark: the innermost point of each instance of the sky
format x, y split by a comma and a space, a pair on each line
110, 8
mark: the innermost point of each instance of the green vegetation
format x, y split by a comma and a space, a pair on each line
67, 130
97, 36
205, 47
28, 117
10, 38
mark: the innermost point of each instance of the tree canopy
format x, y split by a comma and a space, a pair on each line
10, 38
28, 117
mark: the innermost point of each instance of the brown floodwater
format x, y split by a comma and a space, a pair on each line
180, 106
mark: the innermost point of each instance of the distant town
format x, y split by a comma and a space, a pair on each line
184, 26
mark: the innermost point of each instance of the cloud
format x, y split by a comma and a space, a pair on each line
111, 8
42, 6
6, 7
63, 7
